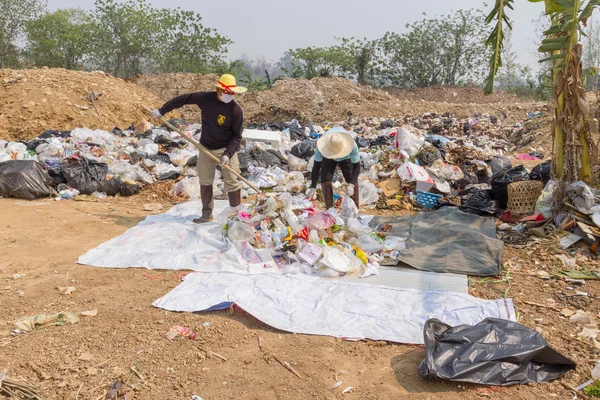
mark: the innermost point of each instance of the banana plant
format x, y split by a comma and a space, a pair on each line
573, 150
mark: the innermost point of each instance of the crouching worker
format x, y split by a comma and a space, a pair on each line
222, 120
335, 147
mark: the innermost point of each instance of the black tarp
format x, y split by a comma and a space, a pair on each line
494, 352
448, 240
24, 179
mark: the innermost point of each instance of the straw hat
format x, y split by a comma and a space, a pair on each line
335, 143
227, 83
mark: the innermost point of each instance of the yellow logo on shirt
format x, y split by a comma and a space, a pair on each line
221, 119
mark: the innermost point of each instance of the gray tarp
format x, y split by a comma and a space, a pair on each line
448, 240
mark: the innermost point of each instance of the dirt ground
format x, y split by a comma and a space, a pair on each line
43, 240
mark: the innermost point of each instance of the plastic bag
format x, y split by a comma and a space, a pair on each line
367, 193
240, 231
499, 164
335, 259
541, 172
86, 176
494, 352
296, 164
349, 209
24, 179
371, 243
304, 150
501, 180
321, 220
187, 187
544, 203
357, 227
408, 143
428, 156
480, 202
410, 172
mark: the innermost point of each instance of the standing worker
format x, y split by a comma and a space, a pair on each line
335, 147
222, 120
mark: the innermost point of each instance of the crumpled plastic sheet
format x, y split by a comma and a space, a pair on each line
493, 352
310, 305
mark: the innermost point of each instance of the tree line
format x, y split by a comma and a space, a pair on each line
131, 37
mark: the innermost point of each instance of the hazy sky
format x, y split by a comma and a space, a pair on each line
269, 27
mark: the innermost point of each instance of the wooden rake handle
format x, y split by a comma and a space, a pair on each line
203, 150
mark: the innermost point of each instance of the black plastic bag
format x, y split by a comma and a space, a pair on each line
304, 150
499, 164
541, 172
168, 176
362, 142
86, 176
33, 144
51, 133
388, 123
164, 158
115, 186
191, 162
480, 202
428, 156
494, 352
297, 134
243, 159
501, 180
537, 155
24, 179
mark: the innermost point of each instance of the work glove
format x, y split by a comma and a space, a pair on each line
350, 190
156, 114
310, 193
225, 160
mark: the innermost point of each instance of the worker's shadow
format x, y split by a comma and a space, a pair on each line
406, 372
121, 220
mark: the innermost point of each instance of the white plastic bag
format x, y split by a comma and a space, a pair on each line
296, 164
240, 231
349, 209
544, 203
408, 143
369, 243
335, 259
367, 193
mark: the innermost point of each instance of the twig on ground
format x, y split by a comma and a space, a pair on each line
283, 363
138, 374
78, 390
540, 305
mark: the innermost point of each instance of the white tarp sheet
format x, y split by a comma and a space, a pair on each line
171, 241
309, 305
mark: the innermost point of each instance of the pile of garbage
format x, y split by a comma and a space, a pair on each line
290, 233
66, 164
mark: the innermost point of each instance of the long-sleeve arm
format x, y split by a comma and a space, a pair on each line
180, 101
237, 127
314, 175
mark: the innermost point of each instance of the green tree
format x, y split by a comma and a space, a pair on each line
312, 62
444, 50
185, 45
60, 39
573, 147
13, 17
124, 36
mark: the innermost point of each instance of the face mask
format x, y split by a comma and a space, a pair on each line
226, 98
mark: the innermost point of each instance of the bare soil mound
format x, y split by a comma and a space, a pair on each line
335, 99
454, 95
32, 101
168, 86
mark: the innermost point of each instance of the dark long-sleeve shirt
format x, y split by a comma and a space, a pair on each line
221, 122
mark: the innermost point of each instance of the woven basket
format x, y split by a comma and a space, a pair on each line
522, 197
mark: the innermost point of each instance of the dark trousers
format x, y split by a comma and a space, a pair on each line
328, 169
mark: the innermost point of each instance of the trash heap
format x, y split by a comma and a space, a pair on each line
414, 162
291, 234
66, 164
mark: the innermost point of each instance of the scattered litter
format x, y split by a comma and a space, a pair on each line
59, 319
347, 390
182, 331
337, 385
